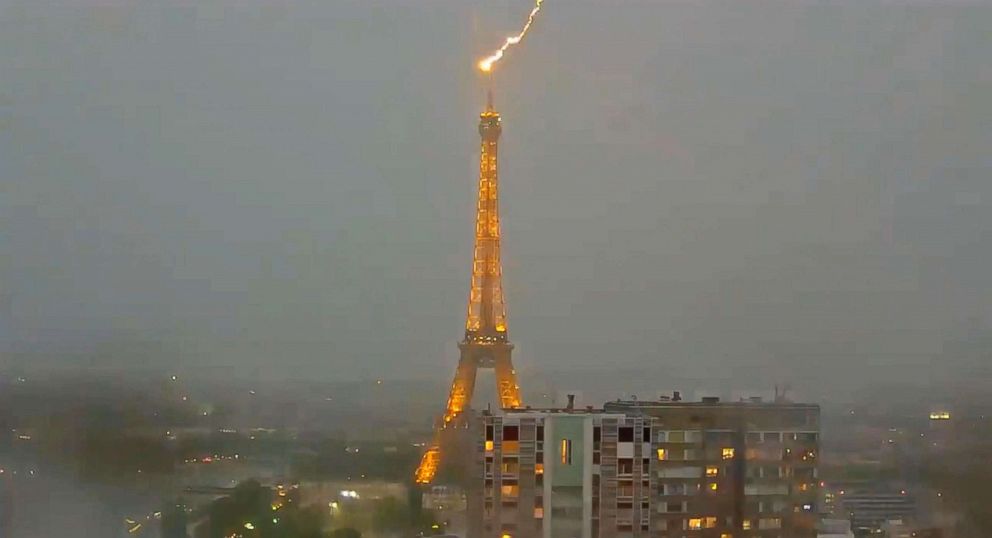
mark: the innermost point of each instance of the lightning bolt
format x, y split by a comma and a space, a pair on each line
486, 64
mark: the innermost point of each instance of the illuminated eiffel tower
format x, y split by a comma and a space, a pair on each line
486, 344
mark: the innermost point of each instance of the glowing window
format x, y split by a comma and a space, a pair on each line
728, 453
566, 451
746, 524
510, 490
538, 468
695, 523
726, 535
714, 486
712, 471
489, 446
709, 522
662, 454
539, 512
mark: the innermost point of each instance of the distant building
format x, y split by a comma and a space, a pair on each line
834, 528
896, 529
658, 469
443, 499
870, 511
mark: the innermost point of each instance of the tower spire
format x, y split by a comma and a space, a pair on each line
489, 92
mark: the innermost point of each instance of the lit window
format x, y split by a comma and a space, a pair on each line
770, 523
710, 522
695, 523
803, 487
728, 453
726, 535
746, 524
566, 451
538, 468
510, 490
662, 454
506, 535
489, 446
714, 486
712, 471
539, 513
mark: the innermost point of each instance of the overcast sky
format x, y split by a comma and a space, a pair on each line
691, 187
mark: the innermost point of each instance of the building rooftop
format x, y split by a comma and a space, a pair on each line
708, 402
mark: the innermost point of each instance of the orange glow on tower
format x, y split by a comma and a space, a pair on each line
486, 343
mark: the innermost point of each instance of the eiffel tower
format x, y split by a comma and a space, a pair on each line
486, 344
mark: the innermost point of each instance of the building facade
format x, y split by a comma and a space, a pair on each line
648, 469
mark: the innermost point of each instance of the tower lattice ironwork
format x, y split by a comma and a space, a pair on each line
486, 344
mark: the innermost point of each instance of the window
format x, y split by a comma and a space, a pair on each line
540, 433
695, 523
539, 512
538, 468
746, 524
566, 451
770, 523
709, 522
646, 435
625, 435
673, 508
727, 453
662, 454
489, 445
597, 434
713, 486
676, 437
511, 433
625, 466
712, 471
509, 490
726, 535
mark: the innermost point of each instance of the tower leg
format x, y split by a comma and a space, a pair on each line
506, 380
462, 387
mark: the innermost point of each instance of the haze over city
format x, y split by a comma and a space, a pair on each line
720, 197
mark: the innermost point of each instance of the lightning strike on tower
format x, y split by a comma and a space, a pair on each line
486, 343
486, 64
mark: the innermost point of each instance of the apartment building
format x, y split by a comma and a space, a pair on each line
647, 469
